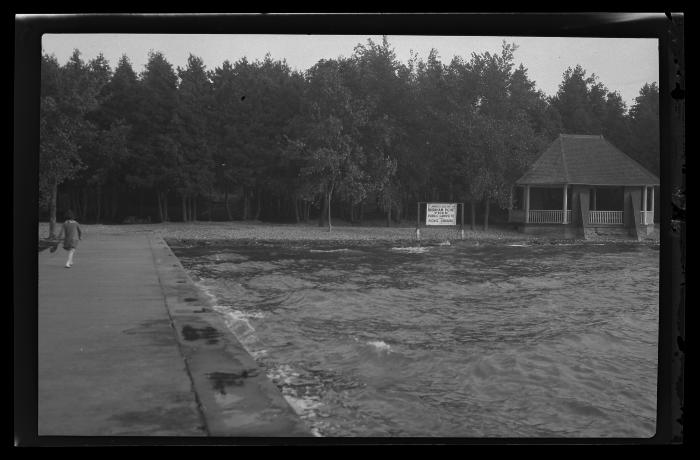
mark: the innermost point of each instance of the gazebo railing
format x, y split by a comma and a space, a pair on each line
555, 216
548, 216
606, 217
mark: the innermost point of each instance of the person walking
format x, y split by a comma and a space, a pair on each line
71, 235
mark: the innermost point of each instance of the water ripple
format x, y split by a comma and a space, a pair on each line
454, 340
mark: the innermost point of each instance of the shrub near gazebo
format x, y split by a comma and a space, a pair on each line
583, 185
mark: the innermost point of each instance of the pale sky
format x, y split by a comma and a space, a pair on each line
622, 64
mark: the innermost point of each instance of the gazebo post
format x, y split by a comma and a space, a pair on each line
595, 206
644, 204
527, 204
652, 204
563, 219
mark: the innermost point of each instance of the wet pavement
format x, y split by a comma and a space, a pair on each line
128, 346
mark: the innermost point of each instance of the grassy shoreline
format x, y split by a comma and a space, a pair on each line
256, 231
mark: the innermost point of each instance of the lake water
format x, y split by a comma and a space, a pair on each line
507, 340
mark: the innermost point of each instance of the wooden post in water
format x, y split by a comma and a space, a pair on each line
418, 222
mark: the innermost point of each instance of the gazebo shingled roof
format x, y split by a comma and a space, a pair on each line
586, 160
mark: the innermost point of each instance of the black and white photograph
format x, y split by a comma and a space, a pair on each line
256, 237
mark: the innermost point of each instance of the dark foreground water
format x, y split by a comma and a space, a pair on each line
461, 340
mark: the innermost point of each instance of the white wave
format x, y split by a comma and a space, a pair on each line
258, 354
304, 406
207, 290
380, 345
518, 245
412, 249
444, 243
237, 322
330, 250
283, 374
227, 257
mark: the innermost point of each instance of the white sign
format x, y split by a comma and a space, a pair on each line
441, 214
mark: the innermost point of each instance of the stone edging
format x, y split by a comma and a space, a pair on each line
235, 396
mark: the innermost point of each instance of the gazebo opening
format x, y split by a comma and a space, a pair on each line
607, 199
549, 198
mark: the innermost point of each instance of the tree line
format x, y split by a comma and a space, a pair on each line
259, 141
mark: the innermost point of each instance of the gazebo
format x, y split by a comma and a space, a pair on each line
583, 185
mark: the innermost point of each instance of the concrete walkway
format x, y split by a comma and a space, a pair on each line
128, 346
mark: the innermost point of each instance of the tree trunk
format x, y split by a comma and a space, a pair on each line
388, 216
98, 204
296, 209
210, 206
160, 207
184, 208
307, 209
405, 206
362, 211
487, 205
139, 212
52, 209
259, 210
85, 204
115, 203
193, 214
189, 209
245, 204
329, 210
80, 212
78, 205
71, 202
166, 216
473, 210
322, 215
228, 209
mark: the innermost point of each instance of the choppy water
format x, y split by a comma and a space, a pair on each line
489, 341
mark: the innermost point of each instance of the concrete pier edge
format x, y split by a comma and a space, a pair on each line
234, 395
